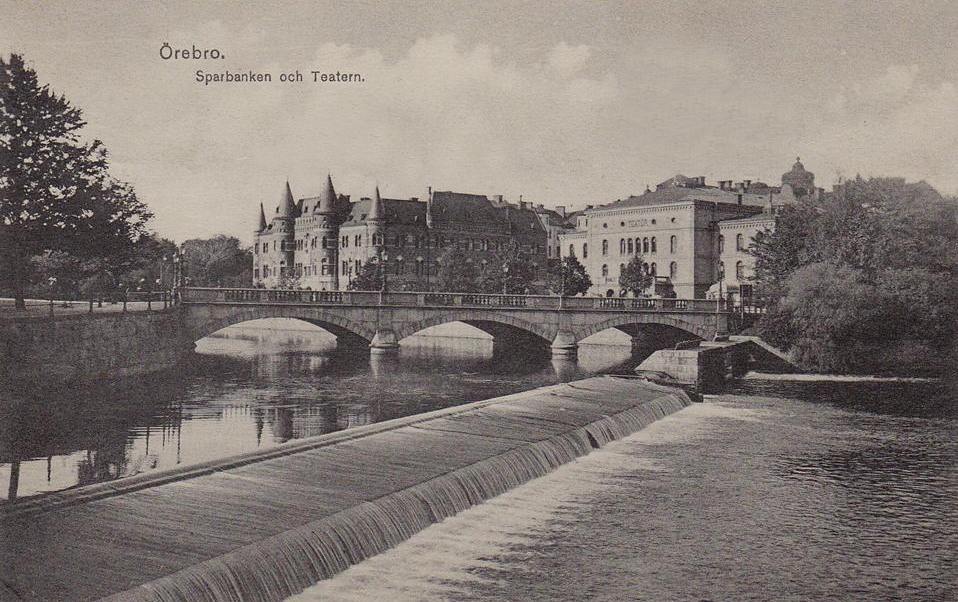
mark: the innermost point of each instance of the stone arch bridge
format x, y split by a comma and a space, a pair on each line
381, 320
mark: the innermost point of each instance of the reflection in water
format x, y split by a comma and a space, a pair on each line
251, 388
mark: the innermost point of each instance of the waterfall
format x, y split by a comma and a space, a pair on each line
280, 566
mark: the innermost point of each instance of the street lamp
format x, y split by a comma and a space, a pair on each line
383, 258
505, 278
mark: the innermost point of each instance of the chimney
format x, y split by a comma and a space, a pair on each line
364, 198
747, 184
539, 206
740, 187
587, 207
523, 204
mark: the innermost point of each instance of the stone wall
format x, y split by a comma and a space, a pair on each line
55, 351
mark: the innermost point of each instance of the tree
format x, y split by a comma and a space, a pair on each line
864, 280
457, 272
636, 277
55, 191
568, 277
369, 278
510, 272
217, 261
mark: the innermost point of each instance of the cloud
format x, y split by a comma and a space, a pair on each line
896, 124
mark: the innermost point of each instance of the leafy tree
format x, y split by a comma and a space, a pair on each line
457, 272
636, 277
217, 261
369, 278
568, 277
510, 272
55, 191
864, 280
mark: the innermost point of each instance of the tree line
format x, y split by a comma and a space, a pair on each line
863, 280
68, 228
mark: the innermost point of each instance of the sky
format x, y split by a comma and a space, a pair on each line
563, 103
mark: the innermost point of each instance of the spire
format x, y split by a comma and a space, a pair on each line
377, 211
327, 198
262, 219
287, 207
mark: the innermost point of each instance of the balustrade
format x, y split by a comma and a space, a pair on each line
439, 299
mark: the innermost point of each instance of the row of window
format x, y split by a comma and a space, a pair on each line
651, 268
739, 270
739, 243
629, 246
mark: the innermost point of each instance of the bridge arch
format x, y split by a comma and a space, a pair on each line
703, 330
493, 323
336, 324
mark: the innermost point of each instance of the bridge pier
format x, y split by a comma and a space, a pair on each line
565, 344
385, 341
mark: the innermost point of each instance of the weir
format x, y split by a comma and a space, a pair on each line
264, 526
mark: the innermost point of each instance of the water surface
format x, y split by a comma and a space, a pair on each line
250, 388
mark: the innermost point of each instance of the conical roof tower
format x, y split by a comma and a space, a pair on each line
287, 207
327, 198
377, 212
262, 219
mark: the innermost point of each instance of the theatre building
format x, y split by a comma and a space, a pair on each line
691, 235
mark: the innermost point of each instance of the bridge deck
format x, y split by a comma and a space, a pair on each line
98, 541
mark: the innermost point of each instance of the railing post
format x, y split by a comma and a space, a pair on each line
149, 302
91, 305
51, 308
125, 295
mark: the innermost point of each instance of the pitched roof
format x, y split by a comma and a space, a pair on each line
678, 194
376, 210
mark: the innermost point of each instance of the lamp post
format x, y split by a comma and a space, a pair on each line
505, 278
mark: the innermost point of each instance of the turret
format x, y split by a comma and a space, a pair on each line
376, 223
328, 232
262, 220
284, 227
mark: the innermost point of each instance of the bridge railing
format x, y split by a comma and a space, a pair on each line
439, 299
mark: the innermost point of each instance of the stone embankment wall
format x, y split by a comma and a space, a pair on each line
45, 351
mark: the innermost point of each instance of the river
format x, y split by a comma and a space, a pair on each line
774, 491
255, 386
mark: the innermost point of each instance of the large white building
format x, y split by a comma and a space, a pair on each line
689, 234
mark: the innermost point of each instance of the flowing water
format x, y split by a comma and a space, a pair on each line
248, 388
776, 491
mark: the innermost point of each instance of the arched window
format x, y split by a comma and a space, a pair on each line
605, 247
571, 250
653, 269
739, 270
673, 270
621, 246
721, 244
645, 245
631, 247
585, 250
673, 244
739, 240
653, 245
605, 271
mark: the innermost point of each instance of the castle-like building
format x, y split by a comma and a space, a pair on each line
694, 237
322, 242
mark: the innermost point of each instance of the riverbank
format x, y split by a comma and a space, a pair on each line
278, 522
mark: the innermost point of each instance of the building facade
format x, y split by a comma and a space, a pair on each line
322, 242
691, 235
